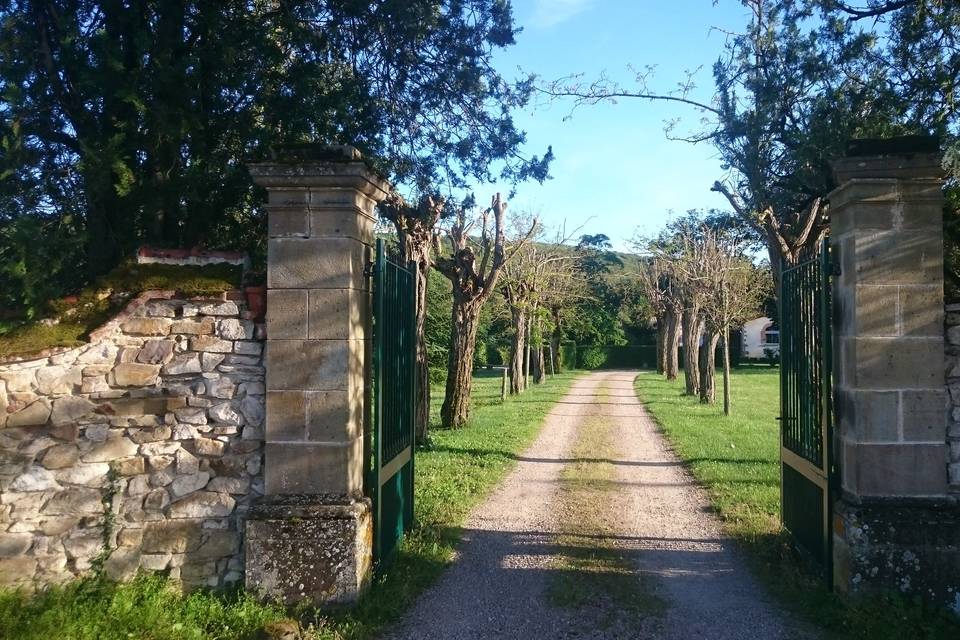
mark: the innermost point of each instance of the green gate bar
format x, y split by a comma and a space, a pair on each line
806, 405
390, 472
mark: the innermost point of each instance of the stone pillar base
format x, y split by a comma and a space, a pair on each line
910, 548
317, 548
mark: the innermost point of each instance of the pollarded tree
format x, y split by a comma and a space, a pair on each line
473, 283
416, 228
658, 288
735, 292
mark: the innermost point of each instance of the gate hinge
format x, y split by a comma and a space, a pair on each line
369, 269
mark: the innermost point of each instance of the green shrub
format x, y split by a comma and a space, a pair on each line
592, 357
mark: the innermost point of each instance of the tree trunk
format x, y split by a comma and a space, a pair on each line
692, 332
672, 367
463, 339
517, 349
421, 412
708, 367
538, 366
555, 350
726, 373
661, 344
526, 362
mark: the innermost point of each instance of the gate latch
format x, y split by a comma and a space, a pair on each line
369, 269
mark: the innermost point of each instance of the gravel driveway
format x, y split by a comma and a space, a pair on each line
655, 516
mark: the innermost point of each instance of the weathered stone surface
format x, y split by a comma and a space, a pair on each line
156, 352
188, 484
229, 485
210, 361
170, 537
74, 501
90, 475
20, 380
17, 571
203, 504
183, 364
14, 544
224, 413
233, 329
205, 326
155, 561
156, 500
122, 564
58, 380
36, 413
246, 347
227, 308
70, 409
191, 415
211, 344
60, 456
186, 462
159, 448
129, 466
208, 447
147, 326
141, 436
116, 446
35, 478
217, 544
131, 374
222, 387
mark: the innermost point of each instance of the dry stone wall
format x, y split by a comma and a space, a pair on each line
142, 449
953, 387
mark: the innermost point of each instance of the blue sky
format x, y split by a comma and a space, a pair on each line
614, 164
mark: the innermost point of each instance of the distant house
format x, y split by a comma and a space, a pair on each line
760, 337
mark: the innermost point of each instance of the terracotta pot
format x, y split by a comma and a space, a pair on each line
257, 302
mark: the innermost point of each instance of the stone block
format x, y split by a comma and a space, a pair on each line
327, 263
70, 409
58, 380
61, 456
334, 220
211, 344
877, 415
183, 485
17, 572
14, 544
287, 317
334, 416
899, 470
34, 478
290, 196
129, 466
925, 415
312, 365
202, 504
205, 326
286, 416
897, 363
234, 329
208, 447
20, 380
156, 352
337, 314
876, 311
921, 310
146, 326
312, 468
225, 413
281, 563
224, 308
285, 221
115, 446
75, 501
899, 257
35, 413
131, 374
92, 474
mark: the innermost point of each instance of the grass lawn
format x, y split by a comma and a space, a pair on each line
454, 473
737, 460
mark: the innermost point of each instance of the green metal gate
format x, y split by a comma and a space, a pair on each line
806, 403
390, 472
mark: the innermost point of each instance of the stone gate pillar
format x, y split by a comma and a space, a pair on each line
894, 508
310, 536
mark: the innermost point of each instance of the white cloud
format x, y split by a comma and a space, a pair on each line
548, 13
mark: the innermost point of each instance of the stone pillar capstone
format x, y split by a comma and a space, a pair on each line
310, 537
894, 518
